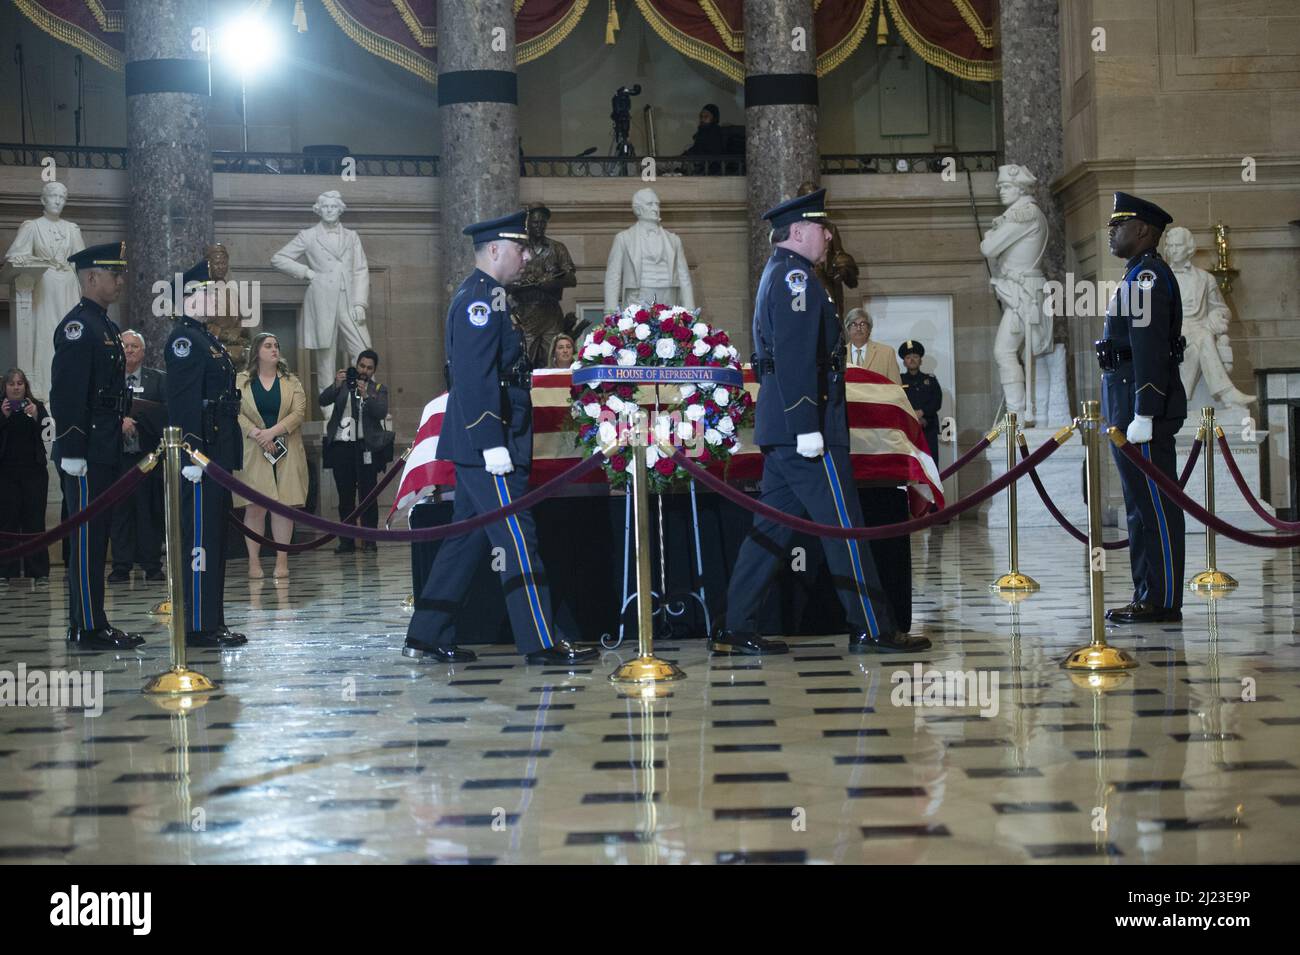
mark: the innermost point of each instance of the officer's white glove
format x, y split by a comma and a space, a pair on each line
74, 467
1139, 430
497, 461
810, 445
192, 473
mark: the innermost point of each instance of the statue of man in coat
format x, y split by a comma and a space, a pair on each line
331, 259
646, 262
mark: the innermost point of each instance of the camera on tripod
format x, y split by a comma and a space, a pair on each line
622, 117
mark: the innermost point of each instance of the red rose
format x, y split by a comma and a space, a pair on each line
665, 466
710, 407
682, 334
644, 350
705, 458
692, 361
643, 316
625, 391
611, 360
614, 340
598, 335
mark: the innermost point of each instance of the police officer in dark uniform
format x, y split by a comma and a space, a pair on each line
1142, 394
923, 392
203, 402
802, 428
88, 399
487, 433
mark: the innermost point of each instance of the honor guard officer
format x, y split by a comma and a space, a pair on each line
203, 402
488, 434
88, 399
802, 428
923, 392
1142, 394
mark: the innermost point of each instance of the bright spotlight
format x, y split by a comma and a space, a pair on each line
247, 45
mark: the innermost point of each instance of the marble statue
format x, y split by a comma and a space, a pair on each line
331, 259
47, 241
535, 297
647, 262
1205, 326
1014, 247
839, 270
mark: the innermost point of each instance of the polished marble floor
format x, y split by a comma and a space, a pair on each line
325, 745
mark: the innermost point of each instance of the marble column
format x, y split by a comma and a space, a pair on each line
1031, 117
478, 165
169, 171
780, 112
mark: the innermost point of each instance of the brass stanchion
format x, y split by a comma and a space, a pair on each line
1211, 581
1097, 655
179, 680
646, 668
1013, 581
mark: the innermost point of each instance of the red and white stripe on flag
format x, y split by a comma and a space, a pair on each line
886, 442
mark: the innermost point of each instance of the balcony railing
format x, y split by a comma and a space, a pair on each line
572, 167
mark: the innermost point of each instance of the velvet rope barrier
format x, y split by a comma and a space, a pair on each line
1244, 488
870, 533
119, 490
970, 455
324, 538
1175, 494
1066, 526
236, 486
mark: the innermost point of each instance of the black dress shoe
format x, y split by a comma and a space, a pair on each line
220, 639
747, 644
119, 577
421, 651
105, 638
562, 653
895, 642
1142, 612
346, 547
154, 576
1127, 608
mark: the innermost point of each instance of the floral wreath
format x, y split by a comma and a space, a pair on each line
705, 418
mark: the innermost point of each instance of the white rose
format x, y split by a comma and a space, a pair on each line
591, 351
735, 447
721, 396
642, 332
606, 349
607, 433
575, 366
651, 455
699, 329
721, 351
726, 425
685, 431
665, 348
663, 428
694, 412
626, 356
700, 348
732, 353
713, 436
592, 409
626, 322
614, 404
687, 391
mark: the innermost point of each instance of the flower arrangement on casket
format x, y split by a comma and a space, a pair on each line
704, 418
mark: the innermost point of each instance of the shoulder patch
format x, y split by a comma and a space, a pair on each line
478, 313
796, 281
181, 347
1146, 279
72, 330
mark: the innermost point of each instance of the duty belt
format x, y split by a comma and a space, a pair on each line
1110, 356
517, 379
115, 401
222, 406
767, 366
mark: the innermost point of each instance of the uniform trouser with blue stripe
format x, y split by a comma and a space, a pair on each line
1155, 524
523, 579
203, 524
821, 488
88, 546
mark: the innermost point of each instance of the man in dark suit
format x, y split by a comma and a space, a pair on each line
136, 537
357, 446
88, 400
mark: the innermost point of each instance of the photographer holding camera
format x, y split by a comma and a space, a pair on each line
357, 445
22, 461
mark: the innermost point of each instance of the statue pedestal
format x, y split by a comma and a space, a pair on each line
22, 280
1062, 475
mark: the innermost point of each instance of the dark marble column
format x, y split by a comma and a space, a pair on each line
169, 171
780, 112
478, 165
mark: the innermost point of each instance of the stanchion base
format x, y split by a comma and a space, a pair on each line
648, 669
1103, 657
179, 681
1212, 581
1014, 583
1099, 681
162, 608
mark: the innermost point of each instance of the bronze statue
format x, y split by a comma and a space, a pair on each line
226, 324
535, 298
839, 269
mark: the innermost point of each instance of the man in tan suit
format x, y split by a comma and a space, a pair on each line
863, 352
339, 290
